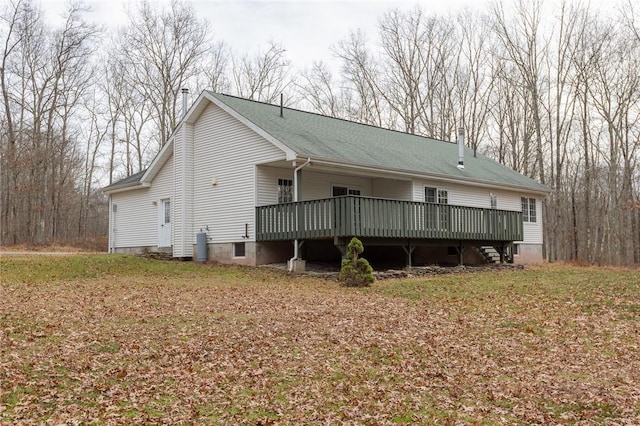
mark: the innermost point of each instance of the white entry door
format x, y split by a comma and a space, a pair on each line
165, 223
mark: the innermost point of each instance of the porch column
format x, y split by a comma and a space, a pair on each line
297, 180
299, 208
298, 189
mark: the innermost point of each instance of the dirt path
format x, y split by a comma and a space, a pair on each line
43, 253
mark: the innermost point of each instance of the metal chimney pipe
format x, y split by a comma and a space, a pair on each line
281, 106
461, 148
185, 94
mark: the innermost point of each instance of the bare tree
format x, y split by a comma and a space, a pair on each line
519, 39
161, 51
560, 108
45, 73
405, 63
263, 76
473, 85
215, 69
318, 88
13, 37
360, 77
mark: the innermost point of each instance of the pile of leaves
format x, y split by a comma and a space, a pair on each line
138, 341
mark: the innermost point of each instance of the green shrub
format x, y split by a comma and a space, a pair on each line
356, 271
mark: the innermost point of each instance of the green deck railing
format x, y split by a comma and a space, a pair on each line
375, 217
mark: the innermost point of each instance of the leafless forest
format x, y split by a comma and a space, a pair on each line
549, 89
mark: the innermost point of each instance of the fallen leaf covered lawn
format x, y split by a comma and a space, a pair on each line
141, 341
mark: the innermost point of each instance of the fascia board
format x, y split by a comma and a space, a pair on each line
125, 188
438, 177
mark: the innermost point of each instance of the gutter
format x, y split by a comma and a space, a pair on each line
439, 177
296, 253
126, 187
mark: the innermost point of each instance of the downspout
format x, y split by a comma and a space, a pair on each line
183, 175
110, 225
296, 253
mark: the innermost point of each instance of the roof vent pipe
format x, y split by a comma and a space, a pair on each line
281, 106
185, 93
461, 148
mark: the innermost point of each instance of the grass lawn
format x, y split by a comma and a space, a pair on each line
97, 339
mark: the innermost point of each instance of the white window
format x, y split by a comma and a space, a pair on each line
285, 191
167, 211
338, 191
430, 195
443, 196
528, 209
435, 195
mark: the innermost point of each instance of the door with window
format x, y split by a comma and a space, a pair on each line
438, 214
353, 212
165, 223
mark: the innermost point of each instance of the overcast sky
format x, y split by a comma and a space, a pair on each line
306, 28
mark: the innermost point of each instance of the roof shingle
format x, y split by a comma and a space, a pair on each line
326, 138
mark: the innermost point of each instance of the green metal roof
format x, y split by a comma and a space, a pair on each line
325, 138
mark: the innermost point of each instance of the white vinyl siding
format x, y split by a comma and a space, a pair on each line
391, 189
315, 185
227, 151
182, 204
318, 185
267, 183
475, 196
533, 230
135, 223
471, 196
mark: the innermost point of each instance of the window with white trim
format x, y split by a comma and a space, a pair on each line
436, 196
285, 191
338, 191
443, 196
528, 209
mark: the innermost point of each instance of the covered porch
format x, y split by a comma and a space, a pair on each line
379, 221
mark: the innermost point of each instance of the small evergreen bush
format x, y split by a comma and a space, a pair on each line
356, 271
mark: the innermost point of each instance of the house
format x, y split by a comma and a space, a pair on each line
261, 184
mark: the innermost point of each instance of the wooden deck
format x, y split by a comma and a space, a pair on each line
364, 217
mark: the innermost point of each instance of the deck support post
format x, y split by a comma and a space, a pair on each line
300, 244
510, 258
460, 250
408, 249
502, 247
340, 245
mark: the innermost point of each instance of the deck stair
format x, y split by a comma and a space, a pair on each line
490, 254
